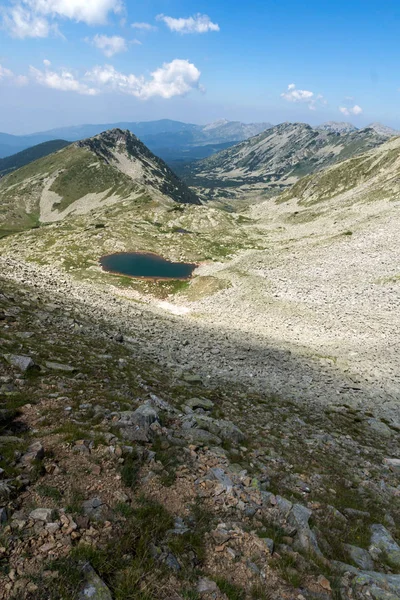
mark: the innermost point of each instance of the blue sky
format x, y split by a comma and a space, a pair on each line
67, 62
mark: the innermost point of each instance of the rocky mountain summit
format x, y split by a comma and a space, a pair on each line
98, 172
337, 127
275, 159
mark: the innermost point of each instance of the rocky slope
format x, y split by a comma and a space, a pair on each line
383, 130
124, 476
370, 177
275, 159
102, 171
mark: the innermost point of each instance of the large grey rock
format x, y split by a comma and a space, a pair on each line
305, 538
34, 452
219, 427
135, 424
370, 579
384, 546
360, 557
23, 363
201, 436
95, 509
93, 588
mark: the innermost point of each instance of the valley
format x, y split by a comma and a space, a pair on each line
272, 370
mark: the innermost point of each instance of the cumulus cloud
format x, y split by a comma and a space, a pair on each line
63, 80
144, 26
354, 110
176, 78
197, 24
36, 18
21, 23
109, 45
303, 96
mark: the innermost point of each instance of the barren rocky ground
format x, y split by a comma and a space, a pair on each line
139, 461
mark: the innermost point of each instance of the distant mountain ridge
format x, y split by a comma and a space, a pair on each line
275, 159
344, 127
16, 161
164, 133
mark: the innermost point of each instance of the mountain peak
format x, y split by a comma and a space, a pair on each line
383, 130
337, 127
215, 124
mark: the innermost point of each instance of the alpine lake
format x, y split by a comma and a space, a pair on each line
146, 265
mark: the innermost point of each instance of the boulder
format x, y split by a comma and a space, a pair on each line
135, 425
34, 452
384, 546
23, 363
305, 538
360, 557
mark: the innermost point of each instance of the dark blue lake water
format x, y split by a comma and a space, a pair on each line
137, 264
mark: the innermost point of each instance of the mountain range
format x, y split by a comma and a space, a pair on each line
171, 140
275, 159
159, 136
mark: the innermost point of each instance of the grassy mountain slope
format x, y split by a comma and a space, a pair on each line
275, 159
84, 176
16, 161
372, 176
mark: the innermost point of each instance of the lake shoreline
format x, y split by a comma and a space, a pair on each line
155, 278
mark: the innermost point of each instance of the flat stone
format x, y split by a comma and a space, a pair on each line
41, 514
93, 587
54, 366
205, 586
203, 403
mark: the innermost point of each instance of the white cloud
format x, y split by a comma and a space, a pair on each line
355, 110
144, 26
46, 63
33, 18
197, 24
303, 96
176, 78
21, 23
64, 81
109, 45
7, 75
